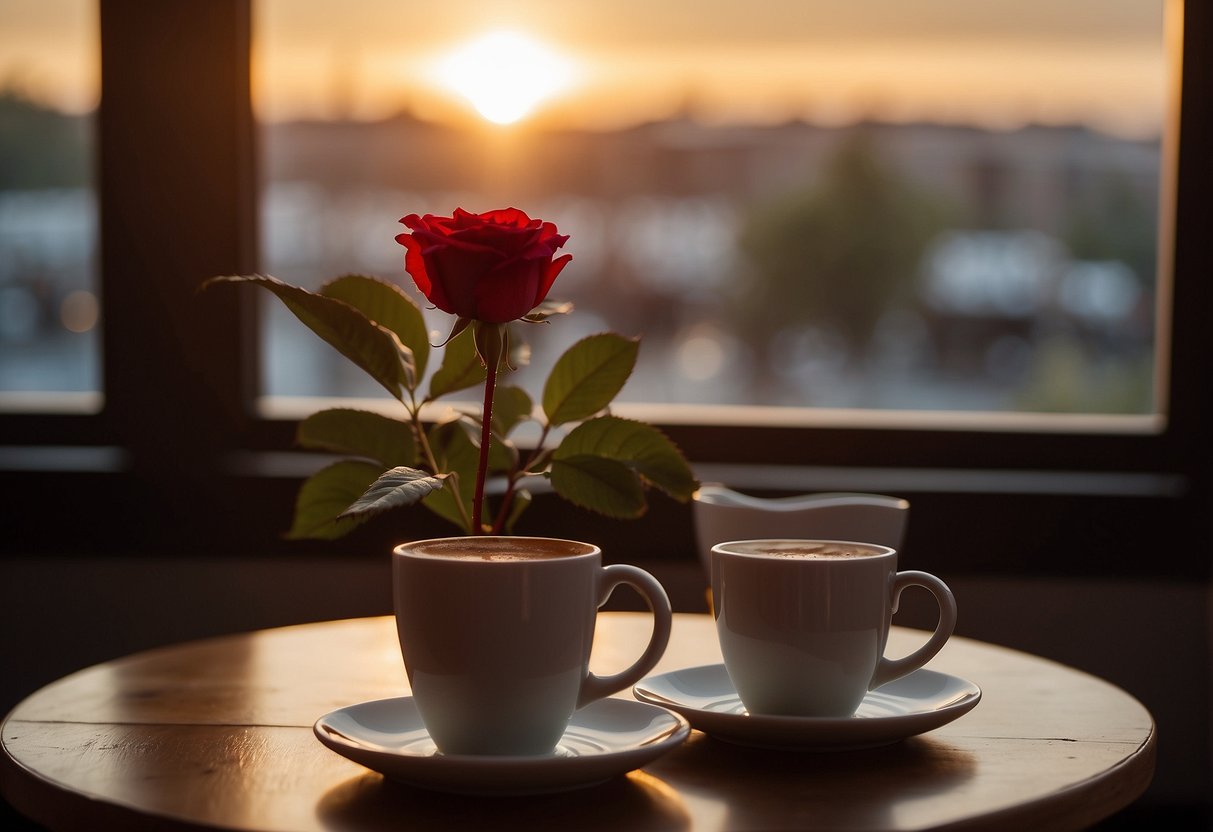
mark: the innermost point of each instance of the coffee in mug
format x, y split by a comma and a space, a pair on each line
495, 633
803, 623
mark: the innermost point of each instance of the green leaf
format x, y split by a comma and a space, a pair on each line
359, 433
599, 484
455, 452
588, 376
325, 495
460, 369
511, 406
443, 504
400, 486
541, 461
373, 348
640, 447
522, 501
456, 447
387, 305
503, 455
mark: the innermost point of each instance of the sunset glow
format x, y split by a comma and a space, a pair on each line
504, 75
722, 61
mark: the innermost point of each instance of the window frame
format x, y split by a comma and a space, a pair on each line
194, 468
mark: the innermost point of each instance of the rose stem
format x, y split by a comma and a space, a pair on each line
486, 433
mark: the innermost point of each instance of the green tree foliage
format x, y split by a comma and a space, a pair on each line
40, 147
1116, 222
837, 252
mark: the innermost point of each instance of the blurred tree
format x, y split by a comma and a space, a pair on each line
838, 253
41, 147
1116, 221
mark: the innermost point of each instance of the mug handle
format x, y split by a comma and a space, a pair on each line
890, 669
596, 687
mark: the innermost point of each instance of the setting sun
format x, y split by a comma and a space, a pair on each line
505, 74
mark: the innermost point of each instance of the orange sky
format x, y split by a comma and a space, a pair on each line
998, 64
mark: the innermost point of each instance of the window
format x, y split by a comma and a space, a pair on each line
49, 307
193, 466
877, 205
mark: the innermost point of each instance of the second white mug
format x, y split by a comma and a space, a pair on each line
803, 623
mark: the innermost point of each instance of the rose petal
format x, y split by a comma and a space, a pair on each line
509, 216
414, 263
554, 268
506, 293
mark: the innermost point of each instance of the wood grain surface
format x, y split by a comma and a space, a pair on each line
218, 734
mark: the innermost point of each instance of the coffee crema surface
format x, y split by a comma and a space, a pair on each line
805, 550
499, 550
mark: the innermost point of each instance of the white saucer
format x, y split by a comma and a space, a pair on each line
914, 704
604, 739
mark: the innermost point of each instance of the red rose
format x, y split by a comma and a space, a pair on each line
493, 267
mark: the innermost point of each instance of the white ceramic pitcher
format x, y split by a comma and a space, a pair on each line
722, 514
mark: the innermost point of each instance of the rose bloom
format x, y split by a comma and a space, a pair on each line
493, 267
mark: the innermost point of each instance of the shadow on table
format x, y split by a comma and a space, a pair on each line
637, 802
730, 786
753, 788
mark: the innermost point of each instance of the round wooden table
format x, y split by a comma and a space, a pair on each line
218, 733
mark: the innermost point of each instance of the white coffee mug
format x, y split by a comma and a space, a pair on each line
496, 632
803, 623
